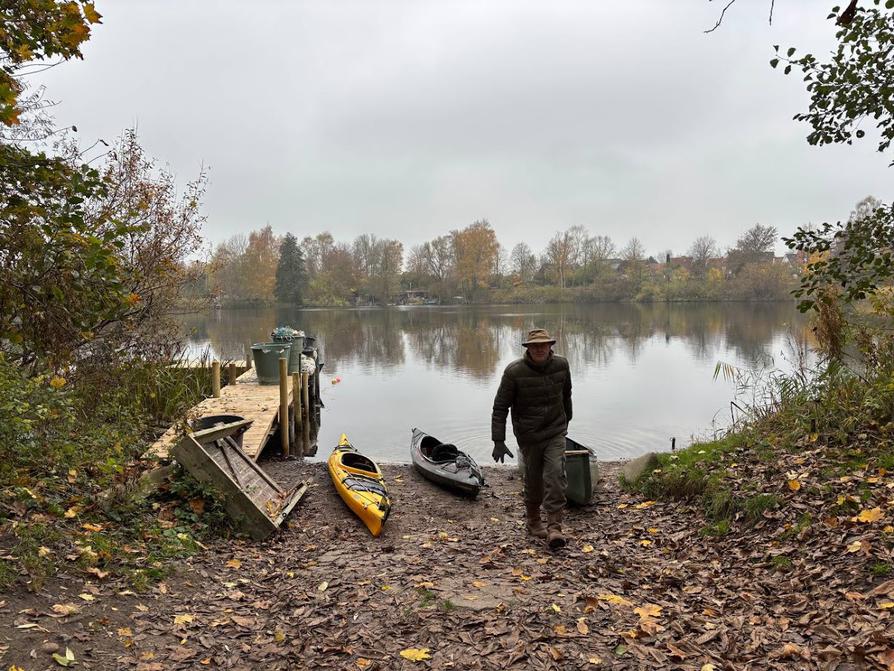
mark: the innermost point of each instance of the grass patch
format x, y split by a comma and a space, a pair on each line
754, 507
716, 529
880, 569
781, 563
426, 597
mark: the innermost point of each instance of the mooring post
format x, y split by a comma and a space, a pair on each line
231, 373
284, 405
215, 378
305, 394
296, 398
246, 352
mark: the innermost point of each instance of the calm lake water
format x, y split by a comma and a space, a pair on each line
641, 373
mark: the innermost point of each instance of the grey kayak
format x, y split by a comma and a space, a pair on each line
445, 465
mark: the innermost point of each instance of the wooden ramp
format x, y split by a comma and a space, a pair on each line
255, 502
256, 402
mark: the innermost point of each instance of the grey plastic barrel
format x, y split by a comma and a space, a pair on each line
266, 357
286, 334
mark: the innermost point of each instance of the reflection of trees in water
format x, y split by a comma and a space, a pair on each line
474, 339
466, 341
369, 337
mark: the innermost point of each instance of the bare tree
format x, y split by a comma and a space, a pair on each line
523, 262
595, 253
633, 251
703, 249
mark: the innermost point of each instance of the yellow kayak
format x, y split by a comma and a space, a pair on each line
360, 484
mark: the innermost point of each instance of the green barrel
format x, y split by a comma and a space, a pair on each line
286, 334
266, 357
581, 470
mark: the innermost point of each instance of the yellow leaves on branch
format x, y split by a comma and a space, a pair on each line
91, 14
415, 654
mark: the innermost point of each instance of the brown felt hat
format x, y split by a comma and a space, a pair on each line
539, 336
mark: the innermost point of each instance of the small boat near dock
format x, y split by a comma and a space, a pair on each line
445, 465
360, 484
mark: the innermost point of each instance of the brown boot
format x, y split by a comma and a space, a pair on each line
554, 537
535, 524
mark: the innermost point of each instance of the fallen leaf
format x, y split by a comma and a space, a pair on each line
234, 563
362, 662
869, 516
67, 660
587, 548
279, 636
63, 609
87, 597
555, 608
182, 619
644, 505
615, 599
415, 654
322, 586
676, 652
72, 512
794, 485
97, 572
593, 659
125, 632
89, 526
856, 546
886, 605
645, 542
649, 610
708, 667
582, 626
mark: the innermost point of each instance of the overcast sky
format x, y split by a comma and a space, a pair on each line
410, 118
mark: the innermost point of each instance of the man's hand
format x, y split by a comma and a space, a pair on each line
501, 451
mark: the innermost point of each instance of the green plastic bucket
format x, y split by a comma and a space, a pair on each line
286, 334
581, 471
266, 356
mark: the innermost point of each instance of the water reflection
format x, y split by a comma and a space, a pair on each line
642, 372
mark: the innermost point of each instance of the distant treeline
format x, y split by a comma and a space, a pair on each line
470, 265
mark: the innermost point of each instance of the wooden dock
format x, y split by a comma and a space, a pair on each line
246, 398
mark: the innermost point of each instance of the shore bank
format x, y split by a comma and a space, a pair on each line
639, 586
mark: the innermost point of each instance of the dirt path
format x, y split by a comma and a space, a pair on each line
638, 587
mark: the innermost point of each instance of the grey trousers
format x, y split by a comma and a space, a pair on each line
545, 480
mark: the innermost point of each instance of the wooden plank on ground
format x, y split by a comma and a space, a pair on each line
255, 502
256, 402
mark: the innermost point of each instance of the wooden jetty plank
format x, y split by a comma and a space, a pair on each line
246, 398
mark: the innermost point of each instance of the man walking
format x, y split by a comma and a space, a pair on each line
537, 388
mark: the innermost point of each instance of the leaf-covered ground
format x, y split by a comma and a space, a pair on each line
455, 584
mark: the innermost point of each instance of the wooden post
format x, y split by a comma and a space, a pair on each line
215, 378
231, 373
284, 405
305, 400
246, 350
296, 398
